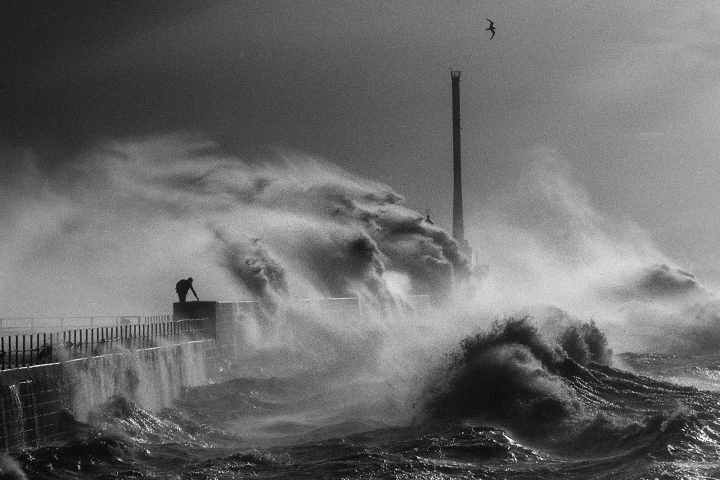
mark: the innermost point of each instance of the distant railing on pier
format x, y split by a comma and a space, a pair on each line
38, 348
26, 325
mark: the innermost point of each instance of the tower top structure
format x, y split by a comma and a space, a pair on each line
458, 225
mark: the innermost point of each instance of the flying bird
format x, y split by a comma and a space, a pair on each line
491, 28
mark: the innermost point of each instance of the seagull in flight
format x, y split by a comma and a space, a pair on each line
491, 28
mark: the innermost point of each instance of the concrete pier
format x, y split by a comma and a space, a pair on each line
35, 400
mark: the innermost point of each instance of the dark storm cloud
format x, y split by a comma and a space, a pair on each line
55, 90
254, 75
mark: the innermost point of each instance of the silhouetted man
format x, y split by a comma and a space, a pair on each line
182, 288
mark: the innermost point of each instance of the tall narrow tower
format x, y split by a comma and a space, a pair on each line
458, 227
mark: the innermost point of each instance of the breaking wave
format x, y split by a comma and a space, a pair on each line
513, 374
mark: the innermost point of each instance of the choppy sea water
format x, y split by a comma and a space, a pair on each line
509, 406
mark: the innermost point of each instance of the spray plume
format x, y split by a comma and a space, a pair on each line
116, 228
557, 258
10, 469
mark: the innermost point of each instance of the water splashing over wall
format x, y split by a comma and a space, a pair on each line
152, 378
16, 418
34, 398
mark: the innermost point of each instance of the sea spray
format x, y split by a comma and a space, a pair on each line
513, 375
585, 343
671, 310
15, 418
161, 208
10, 469
549, 246
153, 378
164, 208
327, 337
253, 267
300, 228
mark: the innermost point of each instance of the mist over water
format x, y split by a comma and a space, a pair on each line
526, 356
112, 231
130, 219
548, 247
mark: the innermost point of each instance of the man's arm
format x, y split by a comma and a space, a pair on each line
193, 290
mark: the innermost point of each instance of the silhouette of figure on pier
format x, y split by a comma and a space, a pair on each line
182, 288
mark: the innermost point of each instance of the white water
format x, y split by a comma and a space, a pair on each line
151, 378
16, 418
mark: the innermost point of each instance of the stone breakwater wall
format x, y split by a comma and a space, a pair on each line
37, 401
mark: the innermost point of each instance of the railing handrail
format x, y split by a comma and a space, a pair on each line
87, 342
27, 325
82, 317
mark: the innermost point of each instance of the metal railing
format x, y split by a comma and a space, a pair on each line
26, 325
38, 348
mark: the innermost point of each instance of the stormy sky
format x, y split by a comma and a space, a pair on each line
625, 95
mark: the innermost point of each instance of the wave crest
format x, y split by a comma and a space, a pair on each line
514, 375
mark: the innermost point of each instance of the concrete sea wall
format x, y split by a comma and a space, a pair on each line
35, 400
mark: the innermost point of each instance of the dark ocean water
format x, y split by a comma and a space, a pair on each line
511, 406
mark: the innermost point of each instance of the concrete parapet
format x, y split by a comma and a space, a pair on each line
197, 309
32, 399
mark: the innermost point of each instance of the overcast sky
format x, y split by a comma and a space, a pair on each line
626, 95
